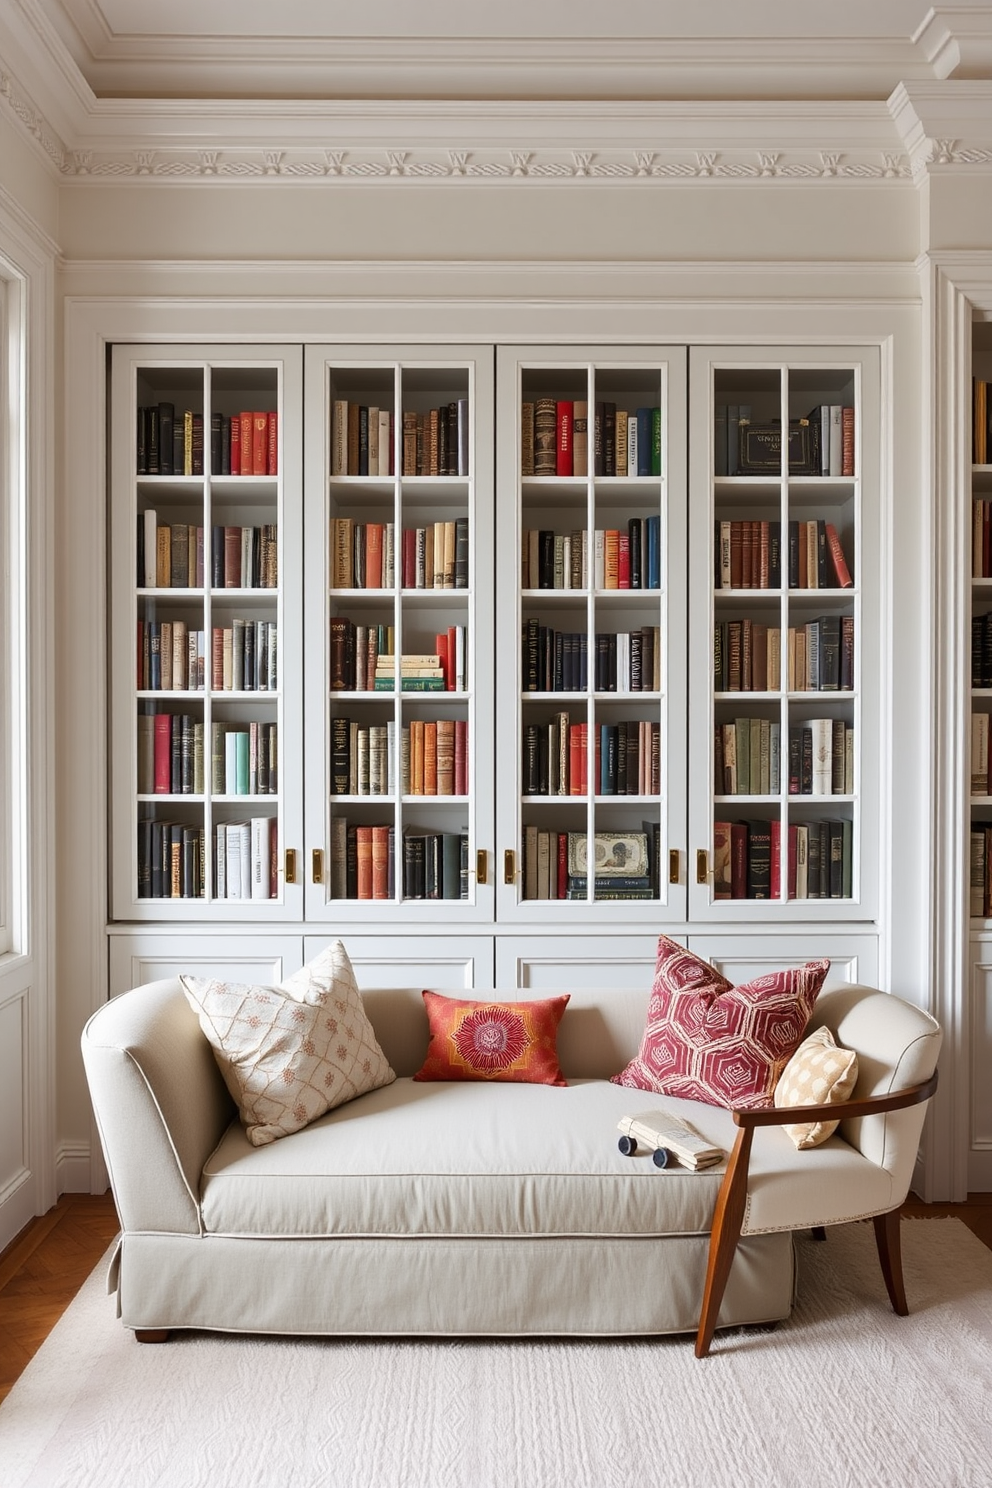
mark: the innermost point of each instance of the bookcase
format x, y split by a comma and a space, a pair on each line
980, 906
206, 474
783, 632
592, 543
501, 653
399, 659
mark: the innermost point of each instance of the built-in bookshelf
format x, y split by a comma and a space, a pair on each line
399, 490
980, 899
197, 629
788, 806
592, 553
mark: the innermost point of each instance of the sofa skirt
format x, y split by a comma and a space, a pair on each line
585, 1286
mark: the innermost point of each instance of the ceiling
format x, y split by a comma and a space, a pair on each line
516, 49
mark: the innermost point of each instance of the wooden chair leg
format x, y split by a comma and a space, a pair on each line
151, 1335
890, 1255
727, 1220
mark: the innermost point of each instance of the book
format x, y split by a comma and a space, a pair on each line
663, 1130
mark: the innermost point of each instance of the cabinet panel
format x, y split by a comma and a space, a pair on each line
399, 663
551, 963
591, 555
853, 958
146, 956
443, 963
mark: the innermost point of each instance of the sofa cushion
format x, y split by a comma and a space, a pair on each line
504, 1041
292, 1052
818, 1074
707, 1040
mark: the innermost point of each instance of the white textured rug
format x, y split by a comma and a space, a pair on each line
843, 1395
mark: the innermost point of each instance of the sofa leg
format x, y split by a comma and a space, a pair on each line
151, 1335
890, 1255
727, 1220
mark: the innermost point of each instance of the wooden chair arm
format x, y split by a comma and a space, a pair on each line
869, 1105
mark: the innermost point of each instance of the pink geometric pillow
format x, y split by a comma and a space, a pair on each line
710, 1041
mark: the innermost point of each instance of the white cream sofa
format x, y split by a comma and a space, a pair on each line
472, 1208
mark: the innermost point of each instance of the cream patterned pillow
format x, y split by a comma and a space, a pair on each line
818, 1074
292, 1052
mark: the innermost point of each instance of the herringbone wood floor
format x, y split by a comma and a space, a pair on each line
41, 1271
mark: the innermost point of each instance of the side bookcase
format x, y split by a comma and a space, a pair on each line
400, 646
591, 670
783, 632
206, 525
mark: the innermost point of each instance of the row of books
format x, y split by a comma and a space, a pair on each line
435, 440
980, 871
622, 559
554, 438
626, 758
556, 864
748, 859
819, 656
171, 555
244, 657
749, 555
433, 865
558, 661
433, 758
243, 758
168, 443
747, 757
825, 448
171, 860
362, 660
363, 555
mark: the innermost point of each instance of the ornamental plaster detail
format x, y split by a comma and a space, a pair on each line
490, 165
31, 122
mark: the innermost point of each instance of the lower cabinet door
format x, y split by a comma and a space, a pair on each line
456, 963
142, 956
740, 957
557, 963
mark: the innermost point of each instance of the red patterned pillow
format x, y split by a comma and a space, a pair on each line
707, 1040
493, 1040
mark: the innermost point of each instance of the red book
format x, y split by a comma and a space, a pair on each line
563, 448
451, 678
562, 865
847, 441
461, 757
623, 561
373, 555
363, 857
260, 443
841, 570
409, 558
217, 660
584, 756
272, 453
247, 440
236, 444
163, 754
791, 882
430, 758
380, 862
441, 647
576, 780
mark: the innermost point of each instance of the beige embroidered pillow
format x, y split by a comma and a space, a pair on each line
292, 1052
818, 1074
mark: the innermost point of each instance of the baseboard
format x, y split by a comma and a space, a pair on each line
73, 1168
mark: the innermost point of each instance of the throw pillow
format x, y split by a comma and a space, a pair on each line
292, 1052
493, 1040
818, 1074
707, 1040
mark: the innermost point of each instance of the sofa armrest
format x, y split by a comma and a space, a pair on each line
160, 1103
869, 1105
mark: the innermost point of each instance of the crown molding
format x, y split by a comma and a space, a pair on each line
945, 127
957, 41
